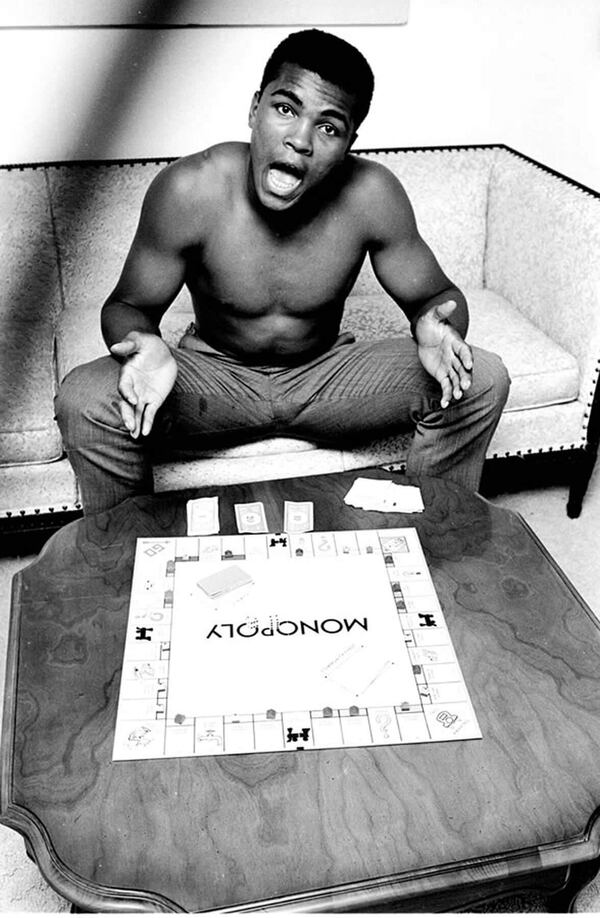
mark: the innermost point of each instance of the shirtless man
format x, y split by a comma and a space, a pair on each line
269, 238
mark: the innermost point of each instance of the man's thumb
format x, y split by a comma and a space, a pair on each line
123, 348
445, 309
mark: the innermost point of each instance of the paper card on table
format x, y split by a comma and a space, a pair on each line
203, 516
251, 517
298, 516
385, 496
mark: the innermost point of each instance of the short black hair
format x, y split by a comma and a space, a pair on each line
332, 58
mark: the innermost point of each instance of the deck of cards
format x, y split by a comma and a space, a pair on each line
385, 496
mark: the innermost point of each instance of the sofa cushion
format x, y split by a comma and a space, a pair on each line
542, 372
373, 316
37, 489
280, 457
29, 304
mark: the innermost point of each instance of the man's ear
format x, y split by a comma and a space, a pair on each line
253, 107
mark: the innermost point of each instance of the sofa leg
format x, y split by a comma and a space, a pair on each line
582, 472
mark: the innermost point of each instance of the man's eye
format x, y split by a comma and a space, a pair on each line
330, 130
284, 109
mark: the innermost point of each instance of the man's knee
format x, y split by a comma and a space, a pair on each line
87, 392
490, 378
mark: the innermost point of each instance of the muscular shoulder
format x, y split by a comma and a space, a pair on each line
381, 200
203, 175
184, 195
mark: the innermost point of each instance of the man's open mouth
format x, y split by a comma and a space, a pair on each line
283, 178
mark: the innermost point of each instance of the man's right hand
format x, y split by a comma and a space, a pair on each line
147, 376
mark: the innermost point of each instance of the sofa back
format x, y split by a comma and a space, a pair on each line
30, 306
543, 253
448, 190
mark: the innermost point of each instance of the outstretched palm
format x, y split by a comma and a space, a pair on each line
443, 352
147, 377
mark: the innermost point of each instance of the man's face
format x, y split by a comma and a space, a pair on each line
302, 128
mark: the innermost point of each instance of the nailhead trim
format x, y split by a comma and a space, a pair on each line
40, 511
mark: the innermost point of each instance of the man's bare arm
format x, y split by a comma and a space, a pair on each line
409, 271
152, 276
154, 269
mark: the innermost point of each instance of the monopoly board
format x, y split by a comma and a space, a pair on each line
277, 642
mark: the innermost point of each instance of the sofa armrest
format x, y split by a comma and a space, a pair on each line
543, 255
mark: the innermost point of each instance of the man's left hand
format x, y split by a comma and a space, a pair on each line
443, 352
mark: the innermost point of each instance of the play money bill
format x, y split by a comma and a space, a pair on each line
203, 516
298, 516
251, 517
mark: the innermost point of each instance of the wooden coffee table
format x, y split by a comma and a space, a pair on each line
422, 827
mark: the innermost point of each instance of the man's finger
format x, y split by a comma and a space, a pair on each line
465, 355
148, 419
132, 417
464, 377
454, 382
446, 392
126, 388
138, 414
127, 414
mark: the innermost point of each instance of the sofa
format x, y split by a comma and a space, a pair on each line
521, 241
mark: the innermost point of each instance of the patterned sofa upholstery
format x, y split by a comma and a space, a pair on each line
522, 242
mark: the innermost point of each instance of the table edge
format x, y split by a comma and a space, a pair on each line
558, 570
361, 894
9, 707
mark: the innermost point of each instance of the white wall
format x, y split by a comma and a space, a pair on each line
521, 72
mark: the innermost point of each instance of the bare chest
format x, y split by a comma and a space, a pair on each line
256, 271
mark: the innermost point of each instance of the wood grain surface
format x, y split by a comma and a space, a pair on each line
322, 829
